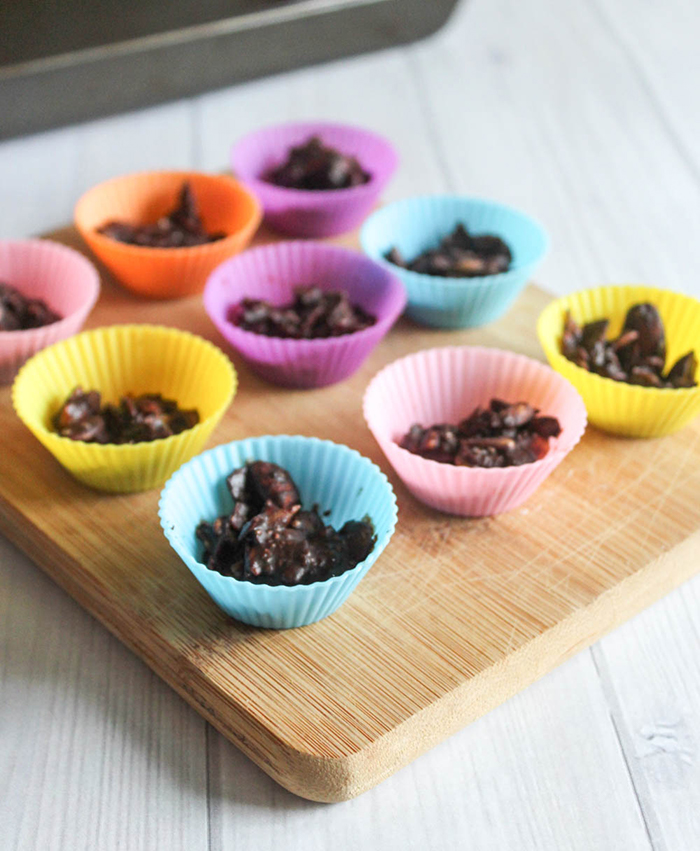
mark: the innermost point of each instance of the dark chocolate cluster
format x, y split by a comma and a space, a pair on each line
270, 539
314, 313
636, 356
459, 255
136, 419
18, 313
181, 228
313, 165
502, 435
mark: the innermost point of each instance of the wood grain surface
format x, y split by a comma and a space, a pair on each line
455, 617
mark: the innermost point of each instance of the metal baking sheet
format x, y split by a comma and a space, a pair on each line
68, 62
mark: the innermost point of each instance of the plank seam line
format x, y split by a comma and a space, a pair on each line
608, 690
647, 86
570, 188
412, 62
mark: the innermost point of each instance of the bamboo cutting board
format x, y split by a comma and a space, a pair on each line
456, 616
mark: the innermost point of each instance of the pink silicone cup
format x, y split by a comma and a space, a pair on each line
445, 385
58, 275
271, 273
306, 213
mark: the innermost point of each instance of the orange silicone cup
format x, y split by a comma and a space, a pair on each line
224, 203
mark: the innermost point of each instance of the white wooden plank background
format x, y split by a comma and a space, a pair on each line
587, 115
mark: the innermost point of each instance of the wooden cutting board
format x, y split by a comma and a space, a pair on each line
456, 616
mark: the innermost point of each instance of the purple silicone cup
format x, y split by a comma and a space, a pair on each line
271, 273
303, 212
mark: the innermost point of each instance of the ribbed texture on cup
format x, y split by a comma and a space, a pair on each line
225, 205
334, 477
272, 272
614, 406
126, 359
314, 213
63, 278
445, 385
416, 224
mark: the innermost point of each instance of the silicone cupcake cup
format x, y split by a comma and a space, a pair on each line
61, 277
334, 477
117, 360
614, 406
416, 224
225, 205
445, 385
318, 213
271, 272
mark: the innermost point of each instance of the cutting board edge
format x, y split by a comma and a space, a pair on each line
334, 779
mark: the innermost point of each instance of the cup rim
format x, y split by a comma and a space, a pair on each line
240, 189
558, 451
378, 548
554, 355
125, 448
84, 309
288, 192
467, 284
383, 324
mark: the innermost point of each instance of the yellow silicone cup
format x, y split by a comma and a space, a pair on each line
616, 407
118, 360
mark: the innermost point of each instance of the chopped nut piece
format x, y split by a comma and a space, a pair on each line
136, 419
181, 228
280, 543
459, 255
314, 313
682, 373
314, 165
19, 313
637, 356
503, 435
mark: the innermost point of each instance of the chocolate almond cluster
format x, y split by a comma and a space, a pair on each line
502, 435
270, 539
135, 419
314, 165
181, 228
459, 255
18, 313
636, 356
314, 313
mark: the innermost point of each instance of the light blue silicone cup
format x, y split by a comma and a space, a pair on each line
416, 224
334, 477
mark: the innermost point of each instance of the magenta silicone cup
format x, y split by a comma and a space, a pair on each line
303, 212
58, 275
271, 273
445, 385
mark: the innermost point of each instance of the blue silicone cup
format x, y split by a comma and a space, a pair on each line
334, 477
416, 224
